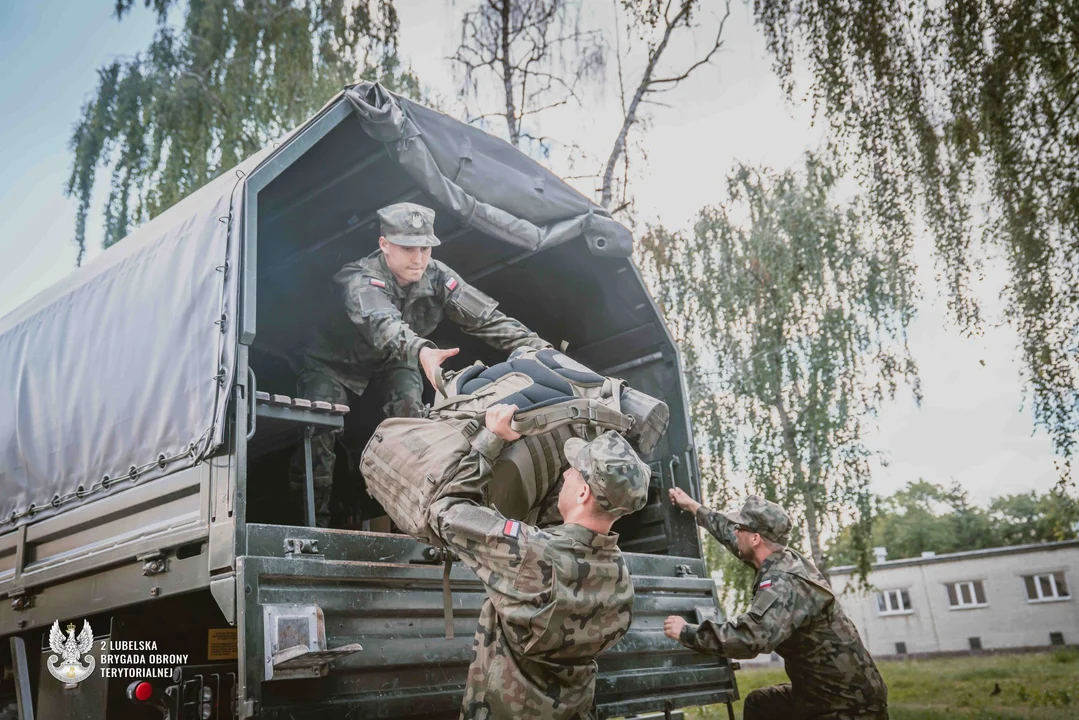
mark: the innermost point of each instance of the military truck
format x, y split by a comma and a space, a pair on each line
148, 422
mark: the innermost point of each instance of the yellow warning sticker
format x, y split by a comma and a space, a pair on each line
221, 644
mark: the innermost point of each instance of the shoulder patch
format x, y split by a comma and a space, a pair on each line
451, 284
762, 602
376, 282
512, 529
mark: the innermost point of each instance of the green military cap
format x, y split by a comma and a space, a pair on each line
617, 476
764, 518
409, 225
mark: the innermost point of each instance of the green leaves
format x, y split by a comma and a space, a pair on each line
925, 516
963, 114
791, 313
203, 96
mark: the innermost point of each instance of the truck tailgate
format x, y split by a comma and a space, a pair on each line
375, 590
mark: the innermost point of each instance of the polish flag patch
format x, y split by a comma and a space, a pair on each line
765, 584
451, 284
512, 529
377, 283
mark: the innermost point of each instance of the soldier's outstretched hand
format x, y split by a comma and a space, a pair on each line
672, 626
683, 501
431, 360
498, 420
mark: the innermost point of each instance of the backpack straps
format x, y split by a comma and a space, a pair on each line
447, 597
573, 411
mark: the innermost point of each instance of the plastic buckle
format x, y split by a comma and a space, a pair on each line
593, 413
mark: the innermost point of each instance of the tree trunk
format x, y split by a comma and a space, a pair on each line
790, 444
812, 514
631, 112
812, 530
507, 75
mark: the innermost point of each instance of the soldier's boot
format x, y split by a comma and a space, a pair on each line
323, 460
771, 703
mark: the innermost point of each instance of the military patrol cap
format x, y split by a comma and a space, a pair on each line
409, 225
617, 476
764, 518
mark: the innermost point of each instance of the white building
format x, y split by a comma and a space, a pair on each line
1013, 597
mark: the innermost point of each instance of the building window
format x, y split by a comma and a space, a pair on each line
975, 643
1056, 638
966, 594
893, 602
1049, 586
900, 648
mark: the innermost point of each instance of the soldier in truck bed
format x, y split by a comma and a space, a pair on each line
557, 597
795, 613
392, 299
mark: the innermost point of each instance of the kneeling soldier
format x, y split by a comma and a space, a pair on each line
795, 613
556, 597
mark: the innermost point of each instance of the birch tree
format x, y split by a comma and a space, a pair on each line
791, 315
964, 114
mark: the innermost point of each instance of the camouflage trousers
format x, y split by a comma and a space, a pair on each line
401, 387
778, 703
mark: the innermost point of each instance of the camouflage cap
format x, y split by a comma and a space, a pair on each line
764, 518
617, 476
409, 225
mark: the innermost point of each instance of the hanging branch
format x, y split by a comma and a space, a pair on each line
649, 84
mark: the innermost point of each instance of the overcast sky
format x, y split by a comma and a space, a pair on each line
971, 427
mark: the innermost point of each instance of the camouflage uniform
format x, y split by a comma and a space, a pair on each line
381, 333
795, 613
556, 598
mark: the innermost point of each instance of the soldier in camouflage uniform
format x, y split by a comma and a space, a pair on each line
392, 299
556, 597
795, 613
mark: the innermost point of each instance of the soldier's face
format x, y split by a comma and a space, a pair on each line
408, 264
747, 542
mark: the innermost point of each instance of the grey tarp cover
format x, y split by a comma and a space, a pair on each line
483, 180
126, 363
118, 364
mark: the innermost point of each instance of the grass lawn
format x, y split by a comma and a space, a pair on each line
1039, 686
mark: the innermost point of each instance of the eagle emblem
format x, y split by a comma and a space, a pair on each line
66, 665
417, 220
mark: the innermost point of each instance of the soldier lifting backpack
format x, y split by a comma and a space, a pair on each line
408, 459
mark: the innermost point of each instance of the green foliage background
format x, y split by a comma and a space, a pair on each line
232, 77
963, 115
791, 315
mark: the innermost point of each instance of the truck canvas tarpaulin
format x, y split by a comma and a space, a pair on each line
119, 372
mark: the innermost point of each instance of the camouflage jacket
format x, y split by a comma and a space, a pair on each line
796, 614
556, 599
390, 322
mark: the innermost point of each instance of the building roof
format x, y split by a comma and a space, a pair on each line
966, 555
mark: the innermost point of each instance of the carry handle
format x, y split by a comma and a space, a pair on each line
572, 412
